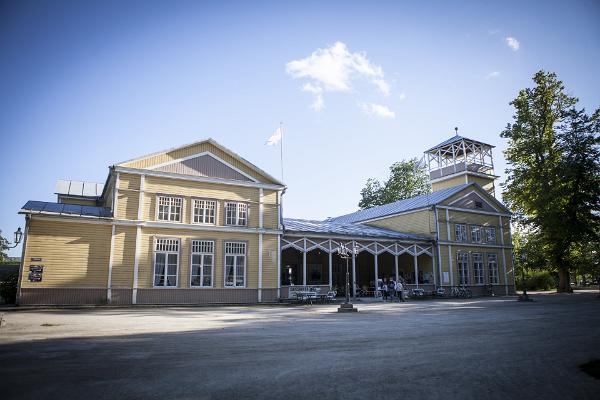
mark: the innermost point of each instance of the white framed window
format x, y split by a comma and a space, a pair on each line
236, 213
478, 268
166, 262
204, 211
492, 259
490, 235
169, 208
202, 263
460, 232
463, 268
235, 264
475, 233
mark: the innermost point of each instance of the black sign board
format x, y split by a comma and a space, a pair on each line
36, 268
36, 258
35, 277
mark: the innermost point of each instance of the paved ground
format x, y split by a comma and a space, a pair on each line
468, 349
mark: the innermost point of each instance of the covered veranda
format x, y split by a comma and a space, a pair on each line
310, 257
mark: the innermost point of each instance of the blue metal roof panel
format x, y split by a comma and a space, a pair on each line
412, 203
45, 207
345, 229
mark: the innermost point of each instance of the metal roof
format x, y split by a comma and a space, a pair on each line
412, 203
79, 188
454, 139
345, 229
44, 207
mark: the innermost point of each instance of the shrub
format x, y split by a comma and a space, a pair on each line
8, 288
538, 280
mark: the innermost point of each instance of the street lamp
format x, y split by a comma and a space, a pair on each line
17, 238
290, 274
345, 254
524, 296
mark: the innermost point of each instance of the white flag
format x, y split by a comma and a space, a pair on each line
275, 138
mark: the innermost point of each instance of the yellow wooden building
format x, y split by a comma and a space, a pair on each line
199, 224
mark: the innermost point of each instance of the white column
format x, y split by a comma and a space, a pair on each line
136, 264
140, 214
260, 266
353, 269
278, 266
115, 196
439, 252
416, 267
110, 265
376, 268
433, 266
330, 256
396, 261
304, 263
503, 255
260, 208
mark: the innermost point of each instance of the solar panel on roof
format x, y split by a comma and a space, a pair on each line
90, 210
53, 207
89, 189
62, 186
72, 209
76, 188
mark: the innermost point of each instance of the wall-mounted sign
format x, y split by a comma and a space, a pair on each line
36, 268
35, 277
36, 258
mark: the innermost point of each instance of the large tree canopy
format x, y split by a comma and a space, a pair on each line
407, 179
553, 182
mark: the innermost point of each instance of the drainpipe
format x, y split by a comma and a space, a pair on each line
22, 267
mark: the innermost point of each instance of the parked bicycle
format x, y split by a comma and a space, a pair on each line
461, 292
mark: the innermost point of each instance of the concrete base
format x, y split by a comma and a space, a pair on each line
525, 297
347, 307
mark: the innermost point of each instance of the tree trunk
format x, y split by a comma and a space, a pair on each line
564, 281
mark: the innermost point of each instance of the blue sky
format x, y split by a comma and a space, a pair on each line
358, 85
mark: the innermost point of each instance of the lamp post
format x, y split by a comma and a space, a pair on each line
17, 238
290, 274
524, 296
345, 254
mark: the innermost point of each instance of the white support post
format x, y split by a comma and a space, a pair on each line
503, 254
304, 263
110, 265
260, 265
439, 253
449, 248
396, 261
140, 214
416, 266
278, 266
433, 257
260, 208
353, 269
376, 270
136, 264
330, 266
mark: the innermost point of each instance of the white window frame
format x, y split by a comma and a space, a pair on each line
460, 233
202, 247
462, 266
478, 269
206, 202
490, 232
238, 212
236, 265
169, 242
492, 264
476, 233
170, 208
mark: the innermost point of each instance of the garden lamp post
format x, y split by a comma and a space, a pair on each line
345, 254
17, 238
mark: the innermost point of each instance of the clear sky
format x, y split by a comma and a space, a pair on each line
358, 85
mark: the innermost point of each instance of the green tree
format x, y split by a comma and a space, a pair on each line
552, 183
3, 248
407, 179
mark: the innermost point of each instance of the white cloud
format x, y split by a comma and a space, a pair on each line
492, 75
513, 43
402, 96
377, 110
333, 69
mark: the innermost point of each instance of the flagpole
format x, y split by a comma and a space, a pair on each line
281, 149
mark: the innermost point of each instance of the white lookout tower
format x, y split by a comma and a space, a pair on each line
461, 160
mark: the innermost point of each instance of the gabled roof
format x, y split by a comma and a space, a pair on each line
45, 207
214, 143
400, 206
454, 139
293, 225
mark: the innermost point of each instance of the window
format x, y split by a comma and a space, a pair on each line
235, 264
166, 261
492, 260
202, 263
478, 204
460, 232
490, 235
236, 214
169, 208
204, 211
463, 268
478, 268
475, 234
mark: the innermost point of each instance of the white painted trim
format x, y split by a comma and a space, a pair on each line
245, 242
278, 266
416, 265
141, 198
156, 208
451, 265
357, 238
466, 173
476, 193
491, 246
260, 266
395, 214
178, 252
503, 255
213, 267
116, 195
110, 265
473, 211
353, 269
136, 265
261, 208
304, 263
198, 178
205, 153
330, 266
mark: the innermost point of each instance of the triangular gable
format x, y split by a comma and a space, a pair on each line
220, 163
207, 165
473, 193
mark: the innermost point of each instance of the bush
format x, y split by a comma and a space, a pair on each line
8, 288
538, 280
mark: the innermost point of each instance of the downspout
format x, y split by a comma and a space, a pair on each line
22, 267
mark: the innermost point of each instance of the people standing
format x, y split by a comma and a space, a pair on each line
384, 289
392, 289
400, 291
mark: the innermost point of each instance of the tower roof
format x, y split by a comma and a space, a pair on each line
454, 139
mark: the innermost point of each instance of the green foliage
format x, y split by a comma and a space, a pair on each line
407, 179
553, 183
3, 248
8, 288
538, 280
